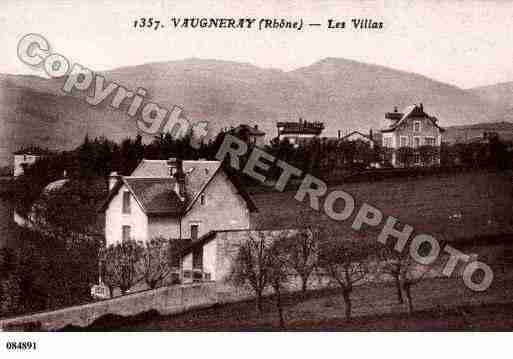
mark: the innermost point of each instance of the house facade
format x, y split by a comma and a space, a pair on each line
409, 135
174, 199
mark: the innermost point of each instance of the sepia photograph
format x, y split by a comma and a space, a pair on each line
184, 167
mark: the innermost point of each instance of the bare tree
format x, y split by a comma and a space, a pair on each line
251, 265
154, 265
119, 264
411, 273
302, 252
391, 264
345, 262
405, 272
278, 273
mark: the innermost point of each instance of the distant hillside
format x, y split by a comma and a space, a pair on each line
463, 133
343, 94
500, 95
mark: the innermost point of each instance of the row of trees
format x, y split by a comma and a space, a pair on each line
271, 261
267, 261
100, 156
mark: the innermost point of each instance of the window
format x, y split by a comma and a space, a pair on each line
404, 141
429, 141
126, 202
202, 199
416, 126
416, 142
126, 233
197, 258
194, 231
387, 141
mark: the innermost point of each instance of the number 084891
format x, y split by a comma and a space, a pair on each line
21, 346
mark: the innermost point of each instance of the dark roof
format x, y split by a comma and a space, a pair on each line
248, 130
301, 127
156, 195
207, 237
154, 189
412, 111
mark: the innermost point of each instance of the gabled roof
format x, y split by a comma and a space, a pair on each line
412, 111
154, 195
154, 189
357, 133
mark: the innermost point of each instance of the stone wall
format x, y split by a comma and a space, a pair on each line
166, 300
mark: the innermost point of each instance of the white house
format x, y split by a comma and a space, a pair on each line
412, 128
174, 199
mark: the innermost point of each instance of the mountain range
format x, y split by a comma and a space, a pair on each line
344, 94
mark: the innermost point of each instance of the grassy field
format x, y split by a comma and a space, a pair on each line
481, 201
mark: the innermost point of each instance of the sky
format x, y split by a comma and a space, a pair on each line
464, 43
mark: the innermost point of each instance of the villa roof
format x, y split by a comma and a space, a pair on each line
154, 189
412, 111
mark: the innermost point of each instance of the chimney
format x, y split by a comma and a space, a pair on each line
179, 176
339, 134
113, 179
370, 134
256, 127
421, 107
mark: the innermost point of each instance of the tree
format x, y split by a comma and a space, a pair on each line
119, 264
41, 272
411, 273
70, 209
302, 250
278, 274
391, 264
345, 263
405, 271
154, 264
251, 265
